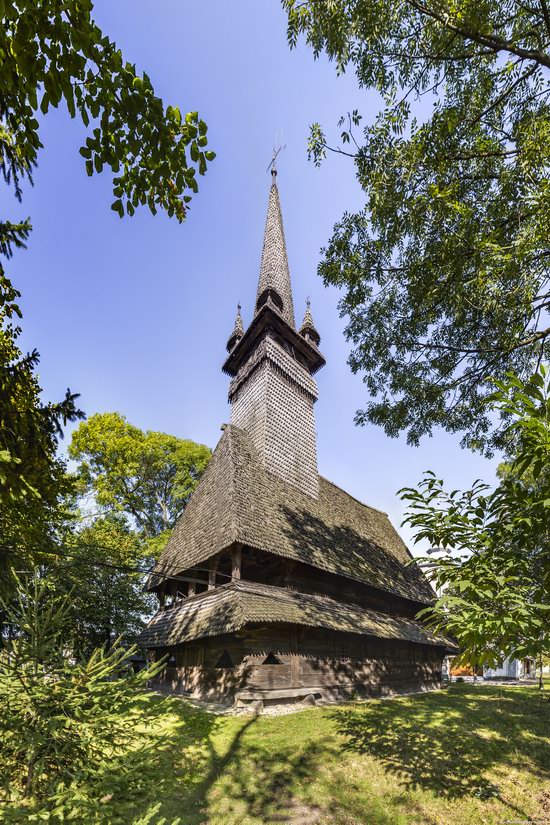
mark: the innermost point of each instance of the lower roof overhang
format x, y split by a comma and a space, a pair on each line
232, 606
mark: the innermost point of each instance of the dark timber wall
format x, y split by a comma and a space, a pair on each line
332, 665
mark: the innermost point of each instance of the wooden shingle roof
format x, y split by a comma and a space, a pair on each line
238, 500
230, 607
274, 272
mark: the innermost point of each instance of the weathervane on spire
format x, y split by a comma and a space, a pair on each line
279, 146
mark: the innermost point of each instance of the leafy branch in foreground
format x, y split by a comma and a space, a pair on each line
445, 271
54, 52
490, 548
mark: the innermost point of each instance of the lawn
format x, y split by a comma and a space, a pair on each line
464, 755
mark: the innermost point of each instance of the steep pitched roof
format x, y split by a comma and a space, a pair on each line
274, 271
238, 500
233, 605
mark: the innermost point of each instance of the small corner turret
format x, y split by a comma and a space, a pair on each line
308, 329
238, 331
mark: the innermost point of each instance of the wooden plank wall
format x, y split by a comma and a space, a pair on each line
267, 569
308, 657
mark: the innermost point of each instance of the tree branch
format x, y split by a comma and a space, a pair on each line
541, 335
546, 15
490, 41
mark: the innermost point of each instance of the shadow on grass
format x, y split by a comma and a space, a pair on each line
297, 769
228, 770
446, 742
243, 769
267, 779
246, 775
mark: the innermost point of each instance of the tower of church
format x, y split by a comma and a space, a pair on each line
272, 365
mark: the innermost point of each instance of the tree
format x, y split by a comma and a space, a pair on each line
493, 562
147, 476
67, 728
445, 270
101, 569
54, 53
33, 480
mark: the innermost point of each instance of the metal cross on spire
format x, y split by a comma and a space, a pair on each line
279, 146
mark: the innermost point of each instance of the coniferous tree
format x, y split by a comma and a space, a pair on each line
67, 727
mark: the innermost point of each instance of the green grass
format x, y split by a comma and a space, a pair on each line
463, 755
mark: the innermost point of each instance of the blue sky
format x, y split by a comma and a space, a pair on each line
134, 314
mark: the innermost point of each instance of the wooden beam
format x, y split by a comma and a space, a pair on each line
236, 563
282, 693
289, 567
294, 659
212, 567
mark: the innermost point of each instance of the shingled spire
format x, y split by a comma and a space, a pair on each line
273, 390
274, 282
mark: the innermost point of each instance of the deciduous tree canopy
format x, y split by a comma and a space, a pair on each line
445, 271
100, 567
148, 476
495, 567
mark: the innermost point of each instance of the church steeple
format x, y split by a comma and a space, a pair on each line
274, 281
273, 391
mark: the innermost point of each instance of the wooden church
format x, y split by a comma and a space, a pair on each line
276, 584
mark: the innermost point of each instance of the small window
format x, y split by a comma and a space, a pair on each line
225, 660
271, 659
270, 294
